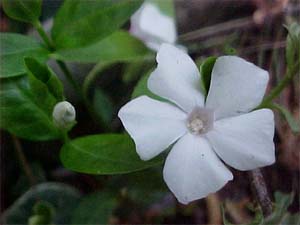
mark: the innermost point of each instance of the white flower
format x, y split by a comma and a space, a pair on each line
64, 114
222, 127
150, 25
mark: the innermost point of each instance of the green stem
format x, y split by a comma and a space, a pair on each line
92, 75
61, 64
282, 84
38, 26
69, 77
90, 78
65, 137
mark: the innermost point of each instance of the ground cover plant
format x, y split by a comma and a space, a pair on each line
150, 112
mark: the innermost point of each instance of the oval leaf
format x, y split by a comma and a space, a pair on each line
13, 48
95, 208
80, 23
104, 154
23, 10
120, 46
26, 109
62, 197
46, 75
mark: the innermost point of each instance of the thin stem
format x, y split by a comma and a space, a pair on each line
38, 26
90, 78
92, 75
23, 161
260, 190
277, 90
61, 64
213, 207
69, 77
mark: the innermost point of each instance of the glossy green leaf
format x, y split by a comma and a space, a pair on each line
294, 125
13, 48
104, 154
81, 23
103, 106
120, 46
95, 208
62, 197
23, 10
26, 108
46, 75
205, 71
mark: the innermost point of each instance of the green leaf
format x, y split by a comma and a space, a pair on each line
104, 154
62, 197
103, 106
23, 184
26, 109
205, 72
280, 215
294, 125
95, 208
81, 23
142, 89
165, 6
133, 71
119, 46
13, 48
257, 220
43, 213
46, 75
282, 202
23, 10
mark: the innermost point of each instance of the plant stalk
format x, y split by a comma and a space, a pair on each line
69, 77
278, 89
61, 64
38, 26
260, 190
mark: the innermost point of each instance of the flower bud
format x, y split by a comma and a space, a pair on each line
64, 114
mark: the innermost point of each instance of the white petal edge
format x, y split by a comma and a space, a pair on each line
176, 78
153, 125
153, 27
245, 142
237, 86
192, 170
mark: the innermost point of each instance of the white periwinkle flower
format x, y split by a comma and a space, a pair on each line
64, 114
153, 27
222, 127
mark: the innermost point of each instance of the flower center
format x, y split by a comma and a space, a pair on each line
200, 120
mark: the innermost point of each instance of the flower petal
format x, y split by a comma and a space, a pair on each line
245, 142
153, 125
192, 169
152, 31
176, 78
237, 86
